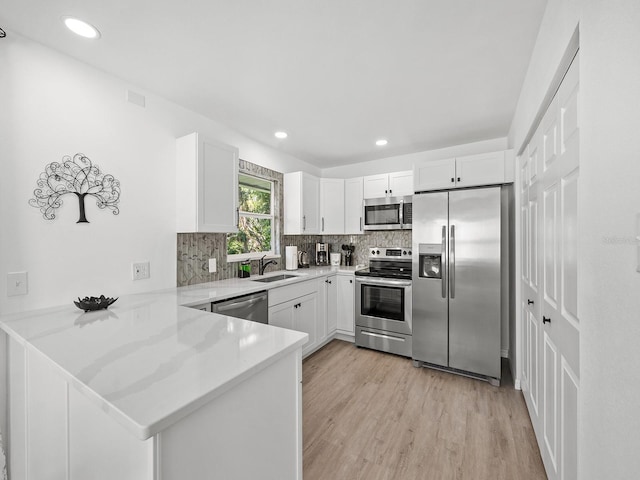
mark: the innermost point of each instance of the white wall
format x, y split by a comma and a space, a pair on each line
608, 299
52, 106
405, 162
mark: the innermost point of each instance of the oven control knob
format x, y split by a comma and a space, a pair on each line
404, 252
409, 252
377, 252
373, 252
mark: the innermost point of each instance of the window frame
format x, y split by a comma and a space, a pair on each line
238, 257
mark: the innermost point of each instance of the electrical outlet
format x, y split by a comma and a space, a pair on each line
140, 270
212, 265
16, 283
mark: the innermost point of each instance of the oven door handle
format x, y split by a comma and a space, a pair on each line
384, 282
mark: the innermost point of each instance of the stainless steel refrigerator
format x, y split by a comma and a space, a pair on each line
458, 299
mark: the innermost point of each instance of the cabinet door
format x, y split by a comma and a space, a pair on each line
483, 169
206, 185
401, 183
332, 206
353, 205
306, 318
310, 204
376, 186
345, 305
332, 303
435, 175
282, 315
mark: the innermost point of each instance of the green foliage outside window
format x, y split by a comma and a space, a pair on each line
255, 225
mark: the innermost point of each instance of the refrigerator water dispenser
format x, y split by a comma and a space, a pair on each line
430, 260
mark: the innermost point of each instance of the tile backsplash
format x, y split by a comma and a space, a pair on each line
195, 249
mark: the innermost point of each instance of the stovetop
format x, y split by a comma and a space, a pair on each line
388, 262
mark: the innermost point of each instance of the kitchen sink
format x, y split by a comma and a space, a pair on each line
274, 278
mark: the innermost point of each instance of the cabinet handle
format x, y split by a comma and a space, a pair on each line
546, 319
530, 302
304, 223
390, 192
453, 180
350, 281
238, 217
360, 223
323, 224
458, 178
385, 192
329, 282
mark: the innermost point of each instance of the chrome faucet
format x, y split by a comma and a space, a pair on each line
264, 265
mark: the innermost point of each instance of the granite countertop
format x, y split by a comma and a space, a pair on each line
149, 361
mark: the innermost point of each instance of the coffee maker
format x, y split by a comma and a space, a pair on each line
322, 254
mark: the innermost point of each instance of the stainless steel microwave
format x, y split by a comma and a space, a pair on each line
388, 213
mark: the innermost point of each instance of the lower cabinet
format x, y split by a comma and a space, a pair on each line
331, 286
299, 314
320, 308
345, 304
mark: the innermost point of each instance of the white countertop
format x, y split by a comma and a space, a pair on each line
148, 361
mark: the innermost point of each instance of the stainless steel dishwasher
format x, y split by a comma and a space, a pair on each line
254, 307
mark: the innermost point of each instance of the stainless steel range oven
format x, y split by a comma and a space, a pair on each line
383, 301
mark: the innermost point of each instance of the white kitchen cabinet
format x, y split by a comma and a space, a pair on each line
353, 196
301, 204
483, 169
331, 311
492, 168
296, 307
396, 184
345, 304
435, 175
332, 206
206, 185
300, 314
401, 183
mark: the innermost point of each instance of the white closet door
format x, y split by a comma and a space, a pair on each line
551, 325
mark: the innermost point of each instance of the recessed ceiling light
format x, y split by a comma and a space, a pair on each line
81, 28
281, 135
381, 143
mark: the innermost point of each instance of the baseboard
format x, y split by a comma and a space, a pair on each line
345, 337
516, 384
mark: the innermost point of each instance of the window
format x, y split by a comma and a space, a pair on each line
256, 220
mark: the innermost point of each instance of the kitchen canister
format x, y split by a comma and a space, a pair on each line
291, 257
335, 259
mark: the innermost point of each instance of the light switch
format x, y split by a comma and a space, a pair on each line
212, 265
16, 283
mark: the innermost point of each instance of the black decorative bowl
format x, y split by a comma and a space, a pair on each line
89, 304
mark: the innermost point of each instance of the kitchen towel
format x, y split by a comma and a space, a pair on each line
3, 461
291, 257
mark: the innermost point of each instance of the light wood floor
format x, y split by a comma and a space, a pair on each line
369, 415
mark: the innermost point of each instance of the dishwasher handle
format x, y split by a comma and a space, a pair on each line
225, 307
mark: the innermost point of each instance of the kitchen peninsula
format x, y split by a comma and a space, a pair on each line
151, 389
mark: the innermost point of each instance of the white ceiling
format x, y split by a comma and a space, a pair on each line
335, 74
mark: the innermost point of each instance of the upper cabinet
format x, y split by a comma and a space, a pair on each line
206, 185
468, 171
353, 190
332, 206
396, 184
301, 204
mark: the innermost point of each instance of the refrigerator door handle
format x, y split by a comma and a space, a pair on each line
443, 259
452, 262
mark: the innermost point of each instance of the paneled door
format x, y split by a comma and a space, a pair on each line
531, 297
551, 367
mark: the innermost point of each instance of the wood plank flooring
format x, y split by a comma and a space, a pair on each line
369, 415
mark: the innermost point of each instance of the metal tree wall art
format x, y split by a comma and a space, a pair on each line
80, 177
